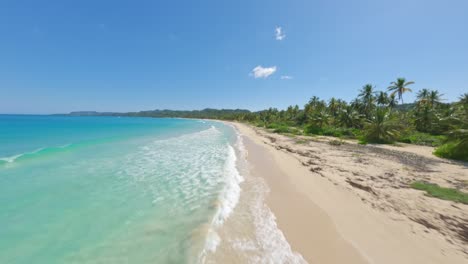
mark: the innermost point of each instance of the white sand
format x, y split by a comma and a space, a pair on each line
352, 204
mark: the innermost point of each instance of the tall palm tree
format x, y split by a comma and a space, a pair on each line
400, 87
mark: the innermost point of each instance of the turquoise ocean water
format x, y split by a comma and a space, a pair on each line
113, 190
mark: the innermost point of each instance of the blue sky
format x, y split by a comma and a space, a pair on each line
62, 55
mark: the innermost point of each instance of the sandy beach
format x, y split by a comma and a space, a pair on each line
340, 202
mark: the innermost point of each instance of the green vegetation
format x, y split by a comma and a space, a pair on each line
382, 127
435, 190
421, 138
372, 117
453, 150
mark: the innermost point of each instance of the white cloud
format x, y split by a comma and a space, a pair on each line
260, 72
286, 77
279, 34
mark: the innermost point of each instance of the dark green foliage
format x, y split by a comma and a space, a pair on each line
435, 190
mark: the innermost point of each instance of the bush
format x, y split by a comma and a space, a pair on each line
453, 150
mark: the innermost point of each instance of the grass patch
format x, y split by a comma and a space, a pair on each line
453, 150
435, 190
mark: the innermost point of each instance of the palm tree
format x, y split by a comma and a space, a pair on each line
367, 92
423, 95
349, 117
382, 127
367, 96
435, 98
400, 87
312, 105
319, 118
424, 117
382, 98
334, 106
356, 104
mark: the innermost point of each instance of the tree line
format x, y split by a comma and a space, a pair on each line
372, 117
378, 117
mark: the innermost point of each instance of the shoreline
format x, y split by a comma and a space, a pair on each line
327, 221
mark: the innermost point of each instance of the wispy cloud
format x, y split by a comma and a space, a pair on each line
261, 72
286, 77
279, 34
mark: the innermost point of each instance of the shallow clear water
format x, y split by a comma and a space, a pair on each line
113, 190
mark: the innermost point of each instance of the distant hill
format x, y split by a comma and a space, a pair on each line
205, 113
90, 113
405, 107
